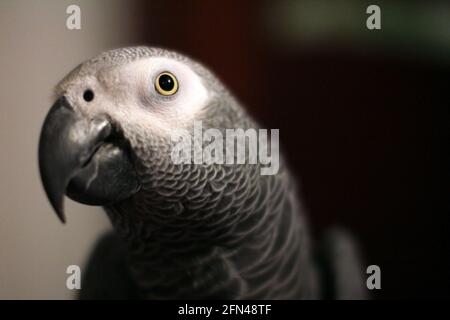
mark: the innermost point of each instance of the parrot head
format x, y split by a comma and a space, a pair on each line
107, 138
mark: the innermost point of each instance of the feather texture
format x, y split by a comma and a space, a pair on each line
198, 230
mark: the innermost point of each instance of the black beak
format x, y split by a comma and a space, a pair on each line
84, 158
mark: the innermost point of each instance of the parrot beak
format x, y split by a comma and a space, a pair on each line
87, 159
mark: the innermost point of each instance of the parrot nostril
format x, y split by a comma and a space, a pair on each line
88, 95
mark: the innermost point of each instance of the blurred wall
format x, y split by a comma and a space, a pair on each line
36, 52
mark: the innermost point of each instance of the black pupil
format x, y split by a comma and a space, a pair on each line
88, 95
166, 82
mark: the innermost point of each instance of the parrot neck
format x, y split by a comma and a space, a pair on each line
216, 250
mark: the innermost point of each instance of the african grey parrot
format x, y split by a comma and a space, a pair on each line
181, 230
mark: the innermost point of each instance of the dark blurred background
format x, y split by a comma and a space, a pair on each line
363, 115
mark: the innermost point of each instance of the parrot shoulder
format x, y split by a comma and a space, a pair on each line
341, 267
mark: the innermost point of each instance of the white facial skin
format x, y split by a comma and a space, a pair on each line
127, 94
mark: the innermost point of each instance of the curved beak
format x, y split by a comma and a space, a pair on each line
80, 153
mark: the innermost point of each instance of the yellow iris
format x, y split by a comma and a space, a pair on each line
166, 84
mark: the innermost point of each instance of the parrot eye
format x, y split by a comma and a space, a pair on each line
166, 84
